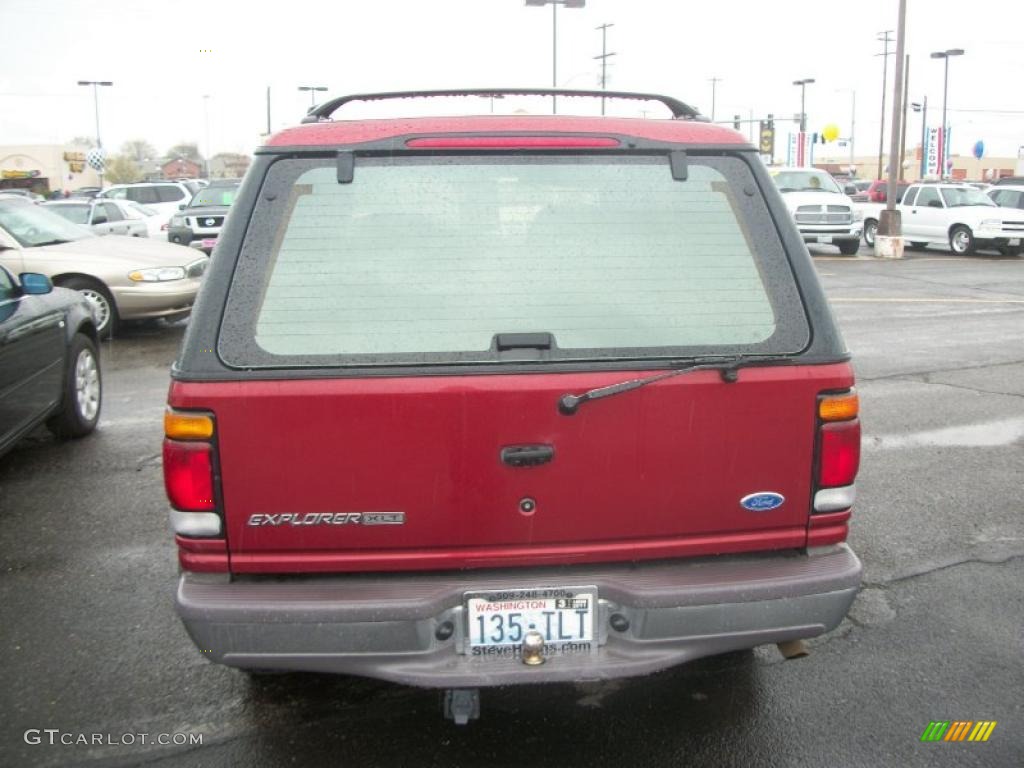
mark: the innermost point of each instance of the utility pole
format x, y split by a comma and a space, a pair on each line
206, 116
903, 134
886, 53
604, 59
268, 110
889, 240
714, 82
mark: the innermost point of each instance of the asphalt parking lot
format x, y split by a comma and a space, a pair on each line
91, 643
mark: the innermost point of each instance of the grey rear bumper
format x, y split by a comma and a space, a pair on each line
384, 626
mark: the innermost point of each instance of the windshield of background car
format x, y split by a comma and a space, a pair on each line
424, 260
805, 181
34, 225
214, 196
76, 214
958, 196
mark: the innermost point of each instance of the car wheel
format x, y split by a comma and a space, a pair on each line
83, 391
99, 298
961, 241
849, 247
870, 230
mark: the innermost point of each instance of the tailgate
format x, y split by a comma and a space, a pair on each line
651, 473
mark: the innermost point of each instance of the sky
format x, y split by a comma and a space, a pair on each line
164, 56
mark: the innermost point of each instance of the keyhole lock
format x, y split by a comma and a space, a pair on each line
527, 506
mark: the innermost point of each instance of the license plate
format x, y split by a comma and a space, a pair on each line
825, 239
209, 242
562, 615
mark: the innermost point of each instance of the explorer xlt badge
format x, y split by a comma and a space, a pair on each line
329, 518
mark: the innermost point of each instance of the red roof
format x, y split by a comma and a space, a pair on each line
360, 131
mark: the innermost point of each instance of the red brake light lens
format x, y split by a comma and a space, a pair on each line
839, 458
511, 142
188, 475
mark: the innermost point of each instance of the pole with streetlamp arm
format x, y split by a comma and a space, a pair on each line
312, 92
803, 111
945, 93
923, 109
96, 106
554, 37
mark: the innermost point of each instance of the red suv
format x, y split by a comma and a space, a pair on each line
468, 401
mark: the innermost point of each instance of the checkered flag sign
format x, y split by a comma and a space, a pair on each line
96, 158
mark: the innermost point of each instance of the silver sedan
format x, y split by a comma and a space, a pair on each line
104, 217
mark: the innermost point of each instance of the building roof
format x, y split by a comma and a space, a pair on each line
341, 132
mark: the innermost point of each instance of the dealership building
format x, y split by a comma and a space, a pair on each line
45, 168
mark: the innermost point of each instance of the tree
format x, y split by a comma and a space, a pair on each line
122, 169
139, 150
187, 150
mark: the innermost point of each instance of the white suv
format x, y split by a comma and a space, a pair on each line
960, 216
823, 214
165, 197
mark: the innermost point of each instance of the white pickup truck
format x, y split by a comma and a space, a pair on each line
823, 214
951, 214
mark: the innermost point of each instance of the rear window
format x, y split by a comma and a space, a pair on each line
425, 260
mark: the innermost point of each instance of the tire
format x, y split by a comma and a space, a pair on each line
83, 391
961, 240
849, 247
870, 230
107, 320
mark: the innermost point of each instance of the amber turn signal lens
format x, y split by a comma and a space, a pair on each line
183, 425
839, 407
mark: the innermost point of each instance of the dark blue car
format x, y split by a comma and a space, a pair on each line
49, 361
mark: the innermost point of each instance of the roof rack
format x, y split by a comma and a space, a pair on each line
678, 109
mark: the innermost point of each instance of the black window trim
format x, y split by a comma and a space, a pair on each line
238, 350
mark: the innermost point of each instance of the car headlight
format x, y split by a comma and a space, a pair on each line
157, 274
995, 223
177, 221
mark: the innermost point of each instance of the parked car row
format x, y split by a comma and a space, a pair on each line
124, 278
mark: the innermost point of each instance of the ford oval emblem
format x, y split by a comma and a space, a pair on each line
764, 501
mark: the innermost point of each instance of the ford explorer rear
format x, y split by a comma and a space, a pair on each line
505, 399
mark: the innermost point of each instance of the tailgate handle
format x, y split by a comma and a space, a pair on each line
527, 455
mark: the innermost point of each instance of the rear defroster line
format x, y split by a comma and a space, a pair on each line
729, 367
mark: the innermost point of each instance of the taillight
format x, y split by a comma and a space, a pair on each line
837, 463
838, 452
189, 473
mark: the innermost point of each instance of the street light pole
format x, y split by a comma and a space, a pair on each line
945, 92
923, 109
206, 116
803, 112
312, 92
96, 104
554, 38
714, 82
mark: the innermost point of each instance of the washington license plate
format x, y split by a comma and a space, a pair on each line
562, 615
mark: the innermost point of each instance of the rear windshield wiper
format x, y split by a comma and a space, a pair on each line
728, 367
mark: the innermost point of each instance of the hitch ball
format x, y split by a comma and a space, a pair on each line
533, 648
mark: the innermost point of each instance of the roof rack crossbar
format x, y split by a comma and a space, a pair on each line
678, 109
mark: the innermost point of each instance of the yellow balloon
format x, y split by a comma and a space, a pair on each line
830, 132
